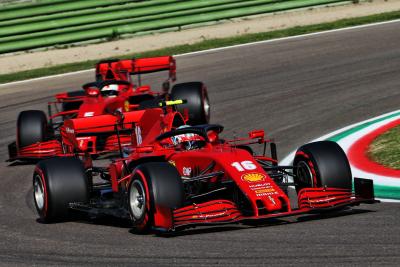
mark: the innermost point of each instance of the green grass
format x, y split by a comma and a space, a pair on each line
207, 44
385, 149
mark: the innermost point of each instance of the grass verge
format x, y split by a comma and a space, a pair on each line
385, 149
207, 44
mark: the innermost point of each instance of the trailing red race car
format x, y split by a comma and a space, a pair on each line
195, 93
189, 176
114, 91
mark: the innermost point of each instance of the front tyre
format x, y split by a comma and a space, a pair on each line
57, 182
31, 127
153, 184
321, 164
198, 104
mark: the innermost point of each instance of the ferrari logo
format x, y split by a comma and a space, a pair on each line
253, 177
172, 162
126, 106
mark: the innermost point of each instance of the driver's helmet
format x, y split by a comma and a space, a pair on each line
188, 141
110, 90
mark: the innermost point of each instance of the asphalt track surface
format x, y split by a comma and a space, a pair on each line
296, 90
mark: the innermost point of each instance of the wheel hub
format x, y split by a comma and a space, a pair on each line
137, 199
38, 189
304, 174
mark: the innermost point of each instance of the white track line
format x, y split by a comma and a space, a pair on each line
291, 37
222, 48
46, 77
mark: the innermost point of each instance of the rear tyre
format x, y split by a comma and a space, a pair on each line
32, 127
322, 164
153, 184
67, 106
198, 104
57, 182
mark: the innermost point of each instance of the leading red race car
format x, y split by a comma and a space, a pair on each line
113, 92
189, 176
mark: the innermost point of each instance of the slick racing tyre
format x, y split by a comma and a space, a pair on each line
198, 104
31, 127
153, 184
67, 106
320, 164
57, 182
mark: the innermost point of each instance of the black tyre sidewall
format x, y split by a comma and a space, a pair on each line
65, 182
195, 93
328, 163
31, 127
163, 187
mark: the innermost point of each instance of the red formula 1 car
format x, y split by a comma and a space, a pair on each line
114, 91
195, 93
189, 177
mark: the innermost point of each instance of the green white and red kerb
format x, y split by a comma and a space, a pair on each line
355, 140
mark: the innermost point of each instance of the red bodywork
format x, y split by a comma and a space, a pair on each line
96, 110
230, 164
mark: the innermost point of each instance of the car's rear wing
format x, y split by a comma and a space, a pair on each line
121, 69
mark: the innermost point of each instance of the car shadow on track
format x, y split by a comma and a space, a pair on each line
264, 223
21, 163
198, 230
335, 214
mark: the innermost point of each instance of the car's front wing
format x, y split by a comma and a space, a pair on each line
310, 200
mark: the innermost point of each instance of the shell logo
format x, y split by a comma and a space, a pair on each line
253, 177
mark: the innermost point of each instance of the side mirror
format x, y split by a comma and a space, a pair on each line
61, 96
257, 134
143, 89
212, 137
93, 92
144, 149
